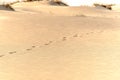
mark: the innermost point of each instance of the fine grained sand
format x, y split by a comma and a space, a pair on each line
38, 45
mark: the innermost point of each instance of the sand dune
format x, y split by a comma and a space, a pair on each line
6, 7
45, 8
43, 42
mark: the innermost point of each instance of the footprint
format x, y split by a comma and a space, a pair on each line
87, 33
12, 52
2, 55
76, 35
64, 38
33, 46
28, 49
48, 43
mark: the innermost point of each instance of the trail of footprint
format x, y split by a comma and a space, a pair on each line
63, 39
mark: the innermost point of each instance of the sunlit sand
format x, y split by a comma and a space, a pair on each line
39, 41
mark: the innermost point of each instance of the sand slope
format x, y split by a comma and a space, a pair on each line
36, 45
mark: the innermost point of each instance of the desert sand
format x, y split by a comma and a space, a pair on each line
39, 41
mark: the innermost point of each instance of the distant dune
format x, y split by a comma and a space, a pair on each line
6, 7
49, 9
109, 5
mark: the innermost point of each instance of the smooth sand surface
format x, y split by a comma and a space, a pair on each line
116, 8
37, 45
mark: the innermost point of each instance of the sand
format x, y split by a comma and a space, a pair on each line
44, 42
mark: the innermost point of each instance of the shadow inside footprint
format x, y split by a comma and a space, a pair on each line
76, 35
64, 38
48, 43
87, 33
28, 49
33, 46
1, 55
12, 52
